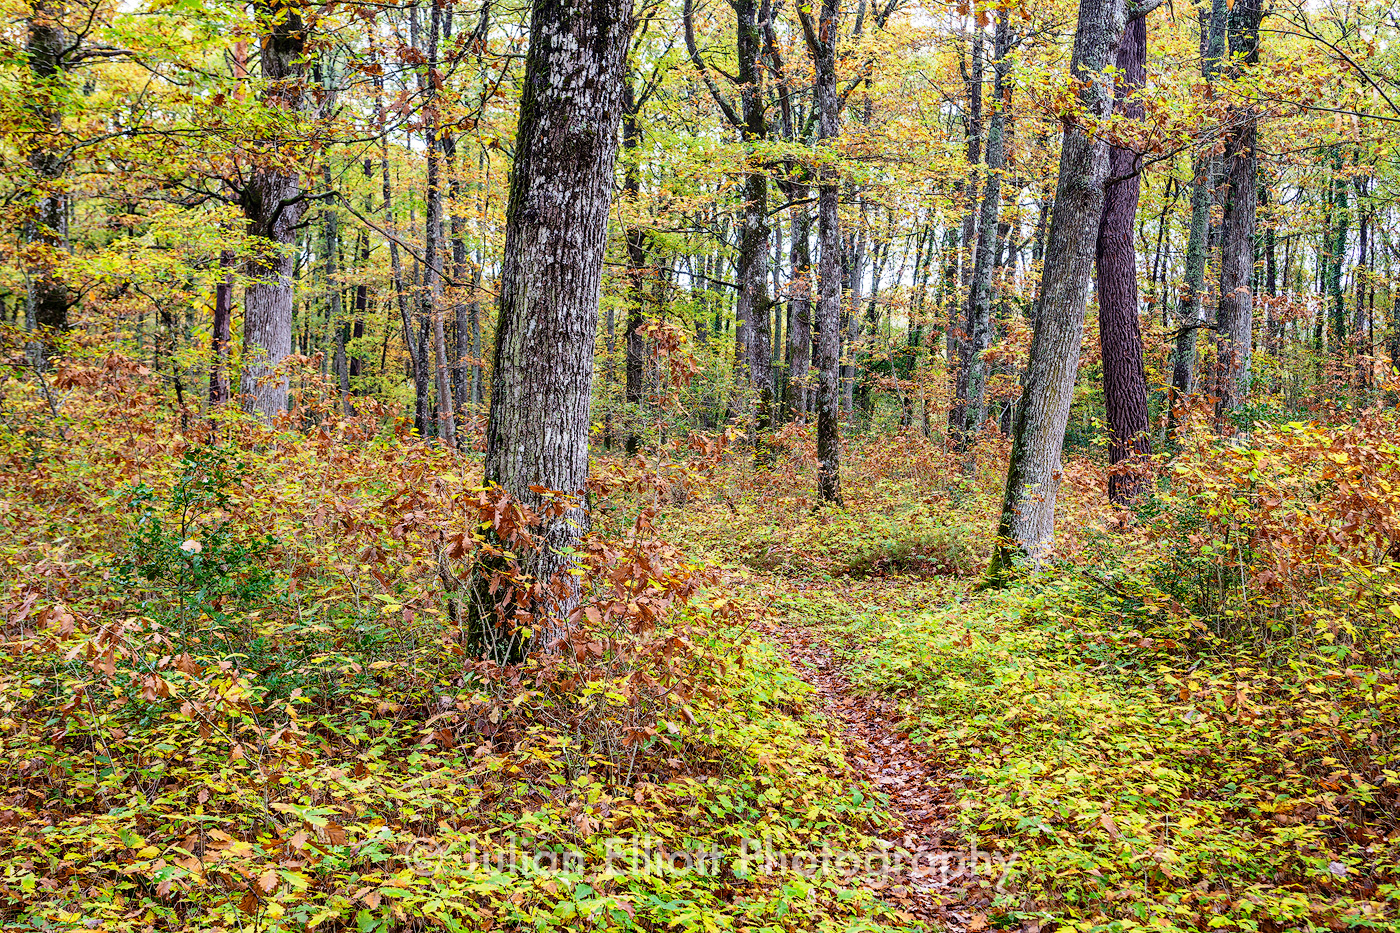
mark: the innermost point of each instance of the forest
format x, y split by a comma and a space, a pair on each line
704, 466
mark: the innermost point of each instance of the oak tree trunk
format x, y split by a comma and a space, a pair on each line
1027, 525
273, 205
556, 228
1235, 322
1120, 335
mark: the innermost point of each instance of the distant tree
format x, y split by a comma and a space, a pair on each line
821, 41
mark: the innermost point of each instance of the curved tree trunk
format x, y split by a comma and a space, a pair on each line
556, 228
1120, 335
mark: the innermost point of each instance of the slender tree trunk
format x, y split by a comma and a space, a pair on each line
556, 229
634, 344
800, 311
222, 332
821, 42
430, 305
272, 203
336, 309
969, 403
1120, 335
962, 255
1189, 313
1027, 525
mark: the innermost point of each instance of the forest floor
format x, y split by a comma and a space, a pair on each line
234, 694
931, 876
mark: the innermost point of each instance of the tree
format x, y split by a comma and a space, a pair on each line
1189, 310
969, 404
821, 41
1234, 339
556, 228
753, 352
273, 203
1027, 525
48, 51
431, 290
1120, 335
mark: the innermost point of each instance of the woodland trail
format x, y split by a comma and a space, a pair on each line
934, 883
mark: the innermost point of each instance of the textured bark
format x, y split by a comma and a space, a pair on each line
753, 351
1189, 310
1120, 336
462, 357
459, 351
556, 227
335, 311
272, 203
1339, 218
45, 230
222, 332
357, 330
430, 306
1235, 320
853, 259
634, 339
821, 42
957, 322
1027, 525
799, 336
969, 402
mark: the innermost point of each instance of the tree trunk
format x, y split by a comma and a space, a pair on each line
44, 233
634, 340
1120, 335
821, 42
222, 332
335, 312
556, 228
1235, 323
1189, 310
1027, 525
273, 205
431, 288
969, 402
799, 333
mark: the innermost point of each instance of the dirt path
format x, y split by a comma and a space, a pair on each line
934, 882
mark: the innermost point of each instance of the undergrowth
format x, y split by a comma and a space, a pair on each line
1189, 722
233, 694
